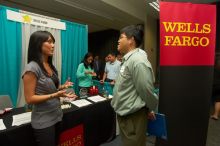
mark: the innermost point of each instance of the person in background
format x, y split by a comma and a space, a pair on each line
119, 57
133, 91
112, 69
42, 89
97, 67
216, 90
85, 72
106, 59
103, 66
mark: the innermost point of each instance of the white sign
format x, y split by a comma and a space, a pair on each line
21, 119
81, 102
96, 98
2, 125
35, 20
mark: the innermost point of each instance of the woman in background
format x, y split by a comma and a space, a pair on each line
216, 90
42, 89
85, 72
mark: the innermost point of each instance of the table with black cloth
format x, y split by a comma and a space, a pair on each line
98, 119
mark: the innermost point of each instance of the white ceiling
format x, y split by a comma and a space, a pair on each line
97, 14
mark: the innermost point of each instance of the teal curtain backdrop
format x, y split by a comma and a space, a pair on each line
10, 55
74, 43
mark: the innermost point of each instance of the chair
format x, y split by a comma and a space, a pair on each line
5, 102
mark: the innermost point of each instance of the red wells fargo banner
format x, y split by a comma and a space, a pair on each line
72, 137
187, 34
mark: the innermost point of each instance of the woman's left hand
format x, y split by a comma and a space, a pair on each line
70, 95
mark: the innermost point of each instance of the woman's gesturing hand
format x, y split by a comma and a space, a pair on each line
63, 93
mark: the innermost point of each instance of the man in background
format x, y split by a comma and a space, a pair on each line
112, 69
97, 67
119, 57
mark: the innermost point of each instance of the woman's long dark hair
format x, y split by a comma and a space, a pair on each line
85, 62
35, 49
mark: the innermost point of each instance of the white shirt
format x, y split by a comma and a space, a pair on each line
112, 69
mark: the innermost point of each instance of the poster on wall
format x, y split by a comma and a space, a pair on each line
187, 34
187, 52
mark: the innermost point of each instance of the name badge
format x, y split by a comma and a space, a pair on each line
122, 69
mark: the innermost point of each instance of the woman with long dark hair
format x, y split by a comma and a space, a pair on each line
85, 72
42, 89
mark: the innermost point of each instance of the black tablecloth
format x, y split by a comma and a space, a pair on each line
98, 120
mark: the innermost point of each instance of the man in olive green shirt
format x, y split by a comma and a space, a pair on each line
133, 91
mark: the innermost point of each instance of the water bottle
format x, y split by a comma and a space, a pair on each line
105, 93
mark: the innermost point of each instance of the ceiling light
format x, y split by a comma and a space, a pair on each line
155, 5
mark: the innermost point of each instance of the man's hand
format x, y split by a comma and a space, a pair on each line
151, 116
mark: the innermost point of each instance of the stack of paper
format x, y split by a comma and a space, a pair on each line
96, 98
81, 102
2, 125
21, 119
157, 127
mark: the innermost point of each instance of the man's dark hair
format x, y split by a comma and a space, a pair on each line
112, 53
135, 31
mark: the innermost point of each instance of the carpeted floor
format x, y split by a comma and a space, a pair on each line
117, 142
213, 136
